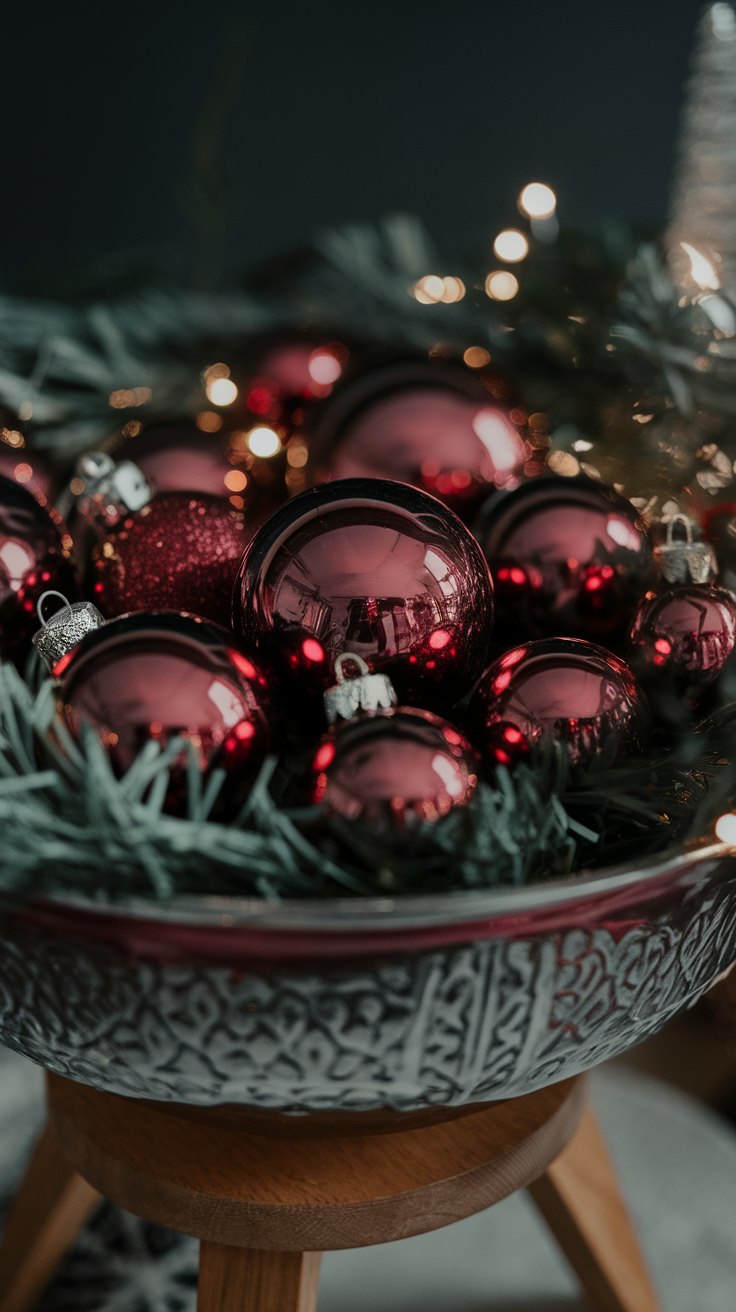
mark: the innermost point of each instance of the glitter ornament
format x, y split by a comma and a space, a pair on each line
153, 676
569, 557
374, 568
394, 768
578, 692
442, 433
34, 558
179, 552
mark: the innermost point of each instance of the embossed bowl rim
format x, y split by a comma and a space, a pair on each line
628, 882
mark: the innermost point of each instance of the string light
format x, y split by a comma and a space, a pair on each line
501, 285
128, 396
537, 200
264, 442
701, 270
324, 368
726, 829
510, 245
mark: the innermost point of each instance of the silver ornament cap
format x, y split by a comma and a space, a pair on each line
71, 623
111, 491
685, 561
367, 692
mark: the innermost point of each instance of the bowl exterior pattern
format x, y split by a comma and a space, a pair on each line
489, 1019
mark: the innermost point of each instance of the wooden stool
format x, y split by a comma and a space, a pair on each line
266, 1207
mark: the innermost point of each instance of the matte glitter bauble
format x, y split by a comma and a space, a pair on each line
155, 675
687, 632
374, 568
394, 768
179, 552
569, 558
33, 559
403, 422
574, 690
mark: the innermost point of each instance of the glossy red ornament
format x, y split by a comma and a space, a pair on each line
374, 568
688, 632
155, 675
179, 552
34, 558
437, 431
578, 692
569, 558
394, 768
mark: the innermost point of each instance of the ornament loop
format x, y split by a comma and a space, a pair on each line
684, 560
679, 518
345, 658
39, 606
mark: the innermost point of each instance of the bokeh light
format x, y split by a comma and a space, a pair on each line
264, 442
324, 368
429, 290
501, 285
510, 245
476, 357
235, 480
726, 828
221, 391
454, 290
538, 200
701, 270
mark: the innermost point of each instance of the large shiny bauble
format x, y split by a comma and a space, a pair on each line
374, 568
573, 690
688, 633
153, 676
34, 558
180, 552
569, 558
394, 769
413, 423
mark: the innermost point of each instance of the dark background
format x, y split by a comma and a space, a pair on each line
341, 110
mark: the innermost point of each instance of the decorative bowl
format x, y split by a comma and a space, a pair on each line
357, 1004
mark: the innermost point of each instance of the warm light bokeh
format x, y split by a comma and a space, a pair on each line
264, 442
537, 200
510, 245
501, 285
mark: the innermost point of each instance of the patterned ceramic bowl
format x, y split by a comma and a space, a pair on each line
358, 1005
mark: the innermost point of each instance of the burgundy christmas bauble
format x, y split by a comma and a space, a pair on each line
569, 558
34, 558
374, 568
574, 690
404, 422
394, 768
153, 676
179, 552
688, 632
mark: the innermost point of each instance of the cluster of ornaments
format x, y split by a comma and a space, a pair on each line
362, 631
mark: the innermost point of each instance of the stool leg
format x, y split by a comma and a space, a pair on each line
47, 1213
256, 1279
580, 1199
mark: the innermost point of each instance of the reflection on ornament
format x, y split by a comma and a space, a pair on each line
403, 422
178, 552
375, 568
33, 559
569, 557
394, 768
153, 676
578, 692
688, 631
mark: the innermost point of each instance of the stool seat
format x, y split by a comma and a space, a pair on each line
265, 1207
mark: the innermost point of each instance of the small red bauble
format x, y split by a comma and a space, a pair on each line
688, 631
155, 675
569, 558
404, 422
576, 691
33, 559
394, 768
179, 552
374, 568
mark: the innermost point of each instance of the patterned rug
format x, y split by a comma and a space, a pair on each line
676, 1160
